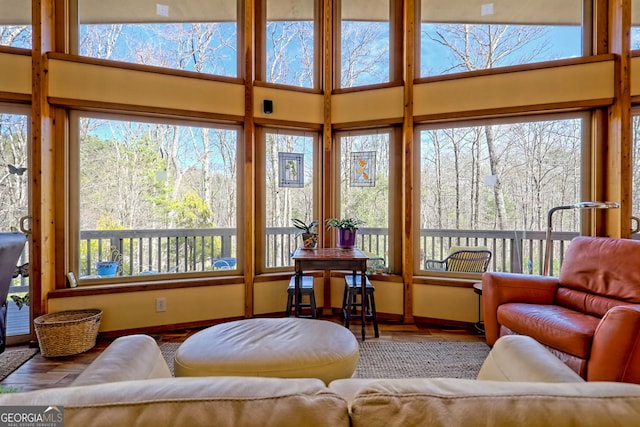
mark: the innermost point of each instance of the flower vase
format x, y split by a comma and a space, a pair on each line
346, 238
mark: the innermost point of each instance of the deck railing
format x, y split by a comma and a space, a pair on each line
183, 250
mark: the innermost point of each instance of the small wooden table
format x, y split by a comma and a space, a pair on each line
477, 288
330, 259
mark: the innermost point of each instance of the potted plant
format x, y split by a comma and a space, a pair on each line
307, 231
347, 230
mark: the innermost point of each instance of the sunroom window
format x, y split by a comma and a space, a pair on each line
15, 23
290, 191
365, 42
155, 197
467, 36
183, 35
365, 178
291, 42
490, 185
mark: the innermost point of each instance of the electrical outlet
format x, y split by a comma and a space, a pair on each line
161, 304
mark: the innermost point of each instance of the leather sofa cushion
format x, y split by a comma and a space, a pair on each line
194, 402
603, 266
441, 402
558, 327
595, 305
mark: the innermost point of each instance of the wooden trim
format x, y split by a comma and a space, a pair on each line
517, 68
15, 97
443, 322
339, 91
182, 283
368, 125
15, 50
289, 88
329, 65
408, 208
144, 110
109, 335
288, 124
139, 67
249, 175
525, 110
42, 255
620, 142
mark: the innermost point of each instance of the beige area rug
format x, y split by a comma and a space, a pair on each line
385, 359
11, 360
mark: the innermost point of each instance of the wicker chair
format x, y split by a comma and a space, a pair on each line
462, 260
11, 247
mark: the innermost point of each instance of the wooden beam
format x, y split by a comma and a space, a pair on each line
619, 142
249, 176
409, 211
42, 164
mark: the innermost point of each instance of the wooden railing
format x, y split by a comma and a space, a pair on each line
183, 250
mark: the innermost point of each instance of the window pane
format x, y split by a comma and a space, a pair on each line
196, 36
289, 192
635, 168
458, 37
157, 197
290, 42
492, 185
15, 23
635, 24
364, 42
14, 204
364, 189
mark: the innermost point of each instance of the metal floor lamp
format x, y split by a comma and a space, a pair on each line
581, 205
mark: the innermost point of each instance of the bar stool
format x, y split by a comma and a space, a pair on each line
350, 304
306, 289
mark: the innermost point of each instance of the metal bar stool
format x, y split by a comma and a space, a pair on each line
350, 304
306, 289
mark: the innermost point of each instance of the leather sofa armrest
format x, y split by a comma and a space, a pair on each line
501, 288
615, 352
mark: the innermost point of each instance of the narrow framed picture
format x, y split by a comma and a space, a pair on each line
363, 169
291, 170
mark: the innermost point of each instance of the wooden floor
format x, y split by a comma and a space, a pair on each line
40, 372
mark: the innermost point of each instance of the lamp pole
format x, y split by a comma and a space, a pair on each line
581, 205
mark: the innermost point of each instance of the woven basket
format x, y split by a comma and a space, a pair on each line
67, 332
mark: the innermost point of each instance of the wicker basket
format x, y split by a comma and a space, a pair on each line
67, 332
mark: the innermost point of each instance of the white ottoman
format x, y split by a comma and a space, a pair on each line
283, 347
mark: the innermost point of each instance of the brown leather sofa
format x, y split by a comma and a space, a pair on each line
589, 316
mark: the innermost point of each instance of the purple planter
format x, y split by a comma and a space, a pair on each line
346, 238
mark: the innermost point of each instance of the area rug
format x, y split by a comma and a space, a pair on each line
11, 360
388, 359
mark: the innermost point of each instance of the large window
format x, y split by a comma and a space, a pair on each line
364, 181
366, 39
15, 23
14, 205
467, 36
492, 184
187, 35
290, 165
291, 43
155, 197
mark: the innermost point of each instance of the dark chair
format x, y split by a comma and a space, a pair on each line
351, 306
306, 290
11, 247
462, 260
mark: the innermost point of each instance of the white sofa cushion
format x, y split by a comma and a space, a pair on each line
460, 403
194, 402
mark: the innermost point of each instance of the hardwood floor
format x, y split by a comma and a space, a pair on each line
41, 372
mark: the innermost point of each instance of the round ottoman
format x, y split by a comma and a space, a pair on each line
286, 348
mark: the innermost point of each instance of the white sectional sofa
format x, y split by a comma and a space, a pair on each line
520, 384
